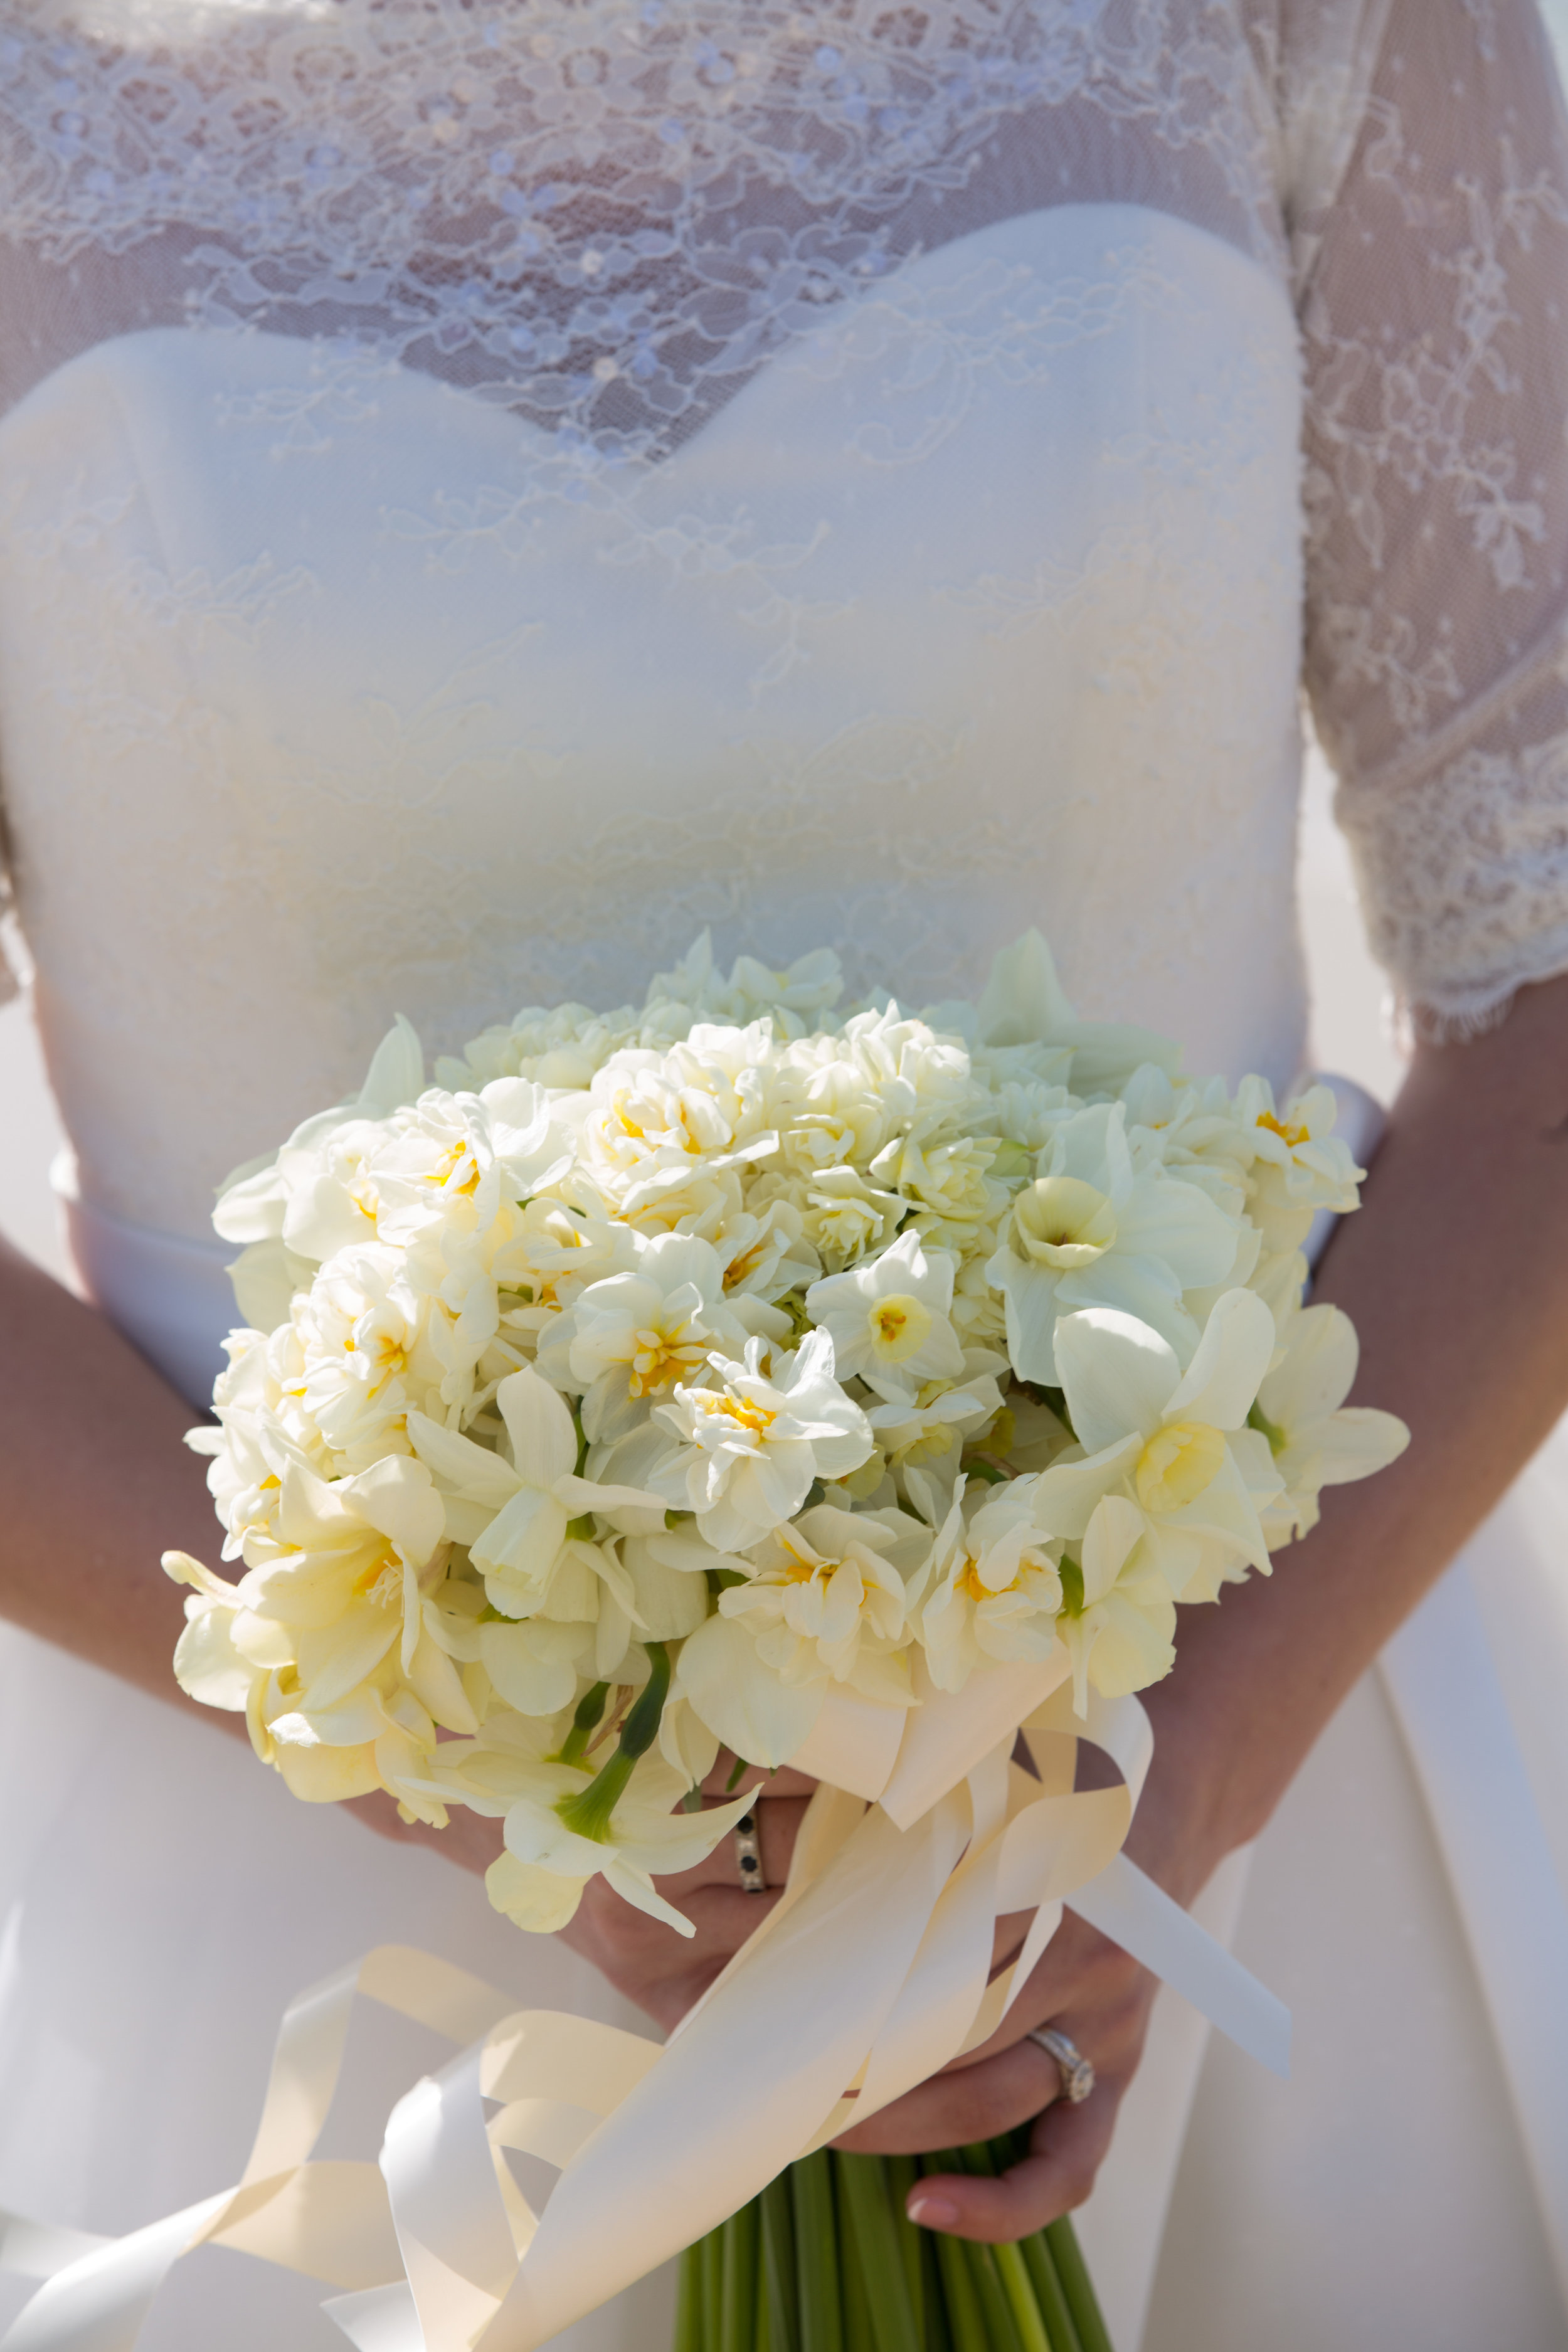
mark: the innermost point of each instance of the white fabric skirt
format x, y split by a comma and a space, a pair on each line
162, 1898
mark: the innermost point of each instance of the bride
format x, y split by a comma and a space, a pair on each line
488, 488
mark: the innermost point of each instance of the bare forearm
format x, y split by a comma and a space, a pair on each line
94, 1485
1456, 1274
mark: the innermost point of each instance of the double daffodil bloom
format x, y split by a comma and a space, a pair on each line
992, 1585
327, 1623
751, 1443
824, 1602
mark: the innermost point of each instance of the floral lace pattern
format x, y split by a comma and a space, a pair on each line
604, 219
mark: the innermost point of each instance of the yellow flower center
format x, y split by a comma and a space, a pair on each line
899, 1325
1064, 1223
1292, 1135
446, 1167
659, 1361
740, 1410
740, 1268
382, 1581
971, 1582
1178, 1462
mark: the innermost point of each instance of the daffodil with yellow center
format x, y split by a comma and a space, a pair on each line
1173, 1448
1298, 1165
1062, 1222
992, 1588
631, 1338
1097, 1230
747, 1445
889, 1320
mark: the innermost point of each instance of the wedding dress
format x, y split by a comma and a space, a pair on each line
489, 488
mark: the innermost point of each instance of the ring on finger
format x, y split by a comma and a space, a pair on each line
748, 1834
1077, 2071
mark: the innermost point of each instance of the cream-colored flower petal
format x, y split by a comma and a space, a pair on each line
207, 1666
1318, 1370
544, 1442
1117, 1375
740, 1699
1222, 1383
1117, 1527
542, 1900
475, 1473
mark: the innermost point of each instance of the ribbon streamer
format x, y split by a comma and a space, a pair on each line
871, 1973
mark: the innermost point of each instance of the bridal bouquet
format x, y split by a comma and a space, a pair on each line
745, 1373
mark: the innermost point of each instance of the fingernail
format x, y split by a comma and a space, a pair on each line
931, 2212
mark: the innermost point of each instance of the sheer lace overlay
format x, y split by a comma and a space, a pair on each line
596, 231
1436, 332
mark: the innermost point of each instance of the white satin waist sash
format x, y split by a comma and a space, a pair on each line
171, 1297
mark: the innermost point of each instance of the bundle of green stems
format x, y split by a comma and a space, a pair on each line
826, 2259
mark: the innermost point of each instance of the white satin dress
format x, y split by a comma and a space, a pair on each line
488, 490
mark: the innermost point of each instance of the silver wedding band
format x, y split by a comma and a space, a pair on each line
748, 1853
1077, 2071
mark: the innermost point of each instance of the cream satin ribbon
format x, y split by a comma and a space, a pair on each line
870, 1973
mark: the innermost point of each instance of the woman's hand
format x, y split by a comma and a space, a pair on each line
662, 1971
1090, 1990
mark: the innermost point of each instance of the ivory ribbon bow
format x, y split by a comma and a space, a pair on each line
869, 1974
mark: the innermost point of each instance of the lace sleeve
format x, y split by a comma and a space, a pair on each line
1434, 320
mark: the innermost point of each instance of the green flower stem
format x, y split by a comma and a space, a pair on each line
986, 2160
584, 1723
737, 2301
867, 2192
1019, 2289
817, 2255
1048, 2295
1001, 2330
902, 2172
857, 2330
688, 2301
761, 2322
779, 2280
1077, 2286
590, 1810
712, 2252
965, 2321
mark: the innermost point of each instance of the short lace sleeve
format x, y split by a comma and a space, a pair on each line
1434, 318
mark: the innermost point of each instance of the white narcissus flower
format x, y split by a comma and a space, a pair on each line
751, 1444
629, 1338
1095, 1232
364, 1354
323, 1641
1175, 1445
888, 1319
991, 1589
921, 1438
1317, 1440
539, 1881
1118, 1619
824, 1602
517, 1517
1300, 1165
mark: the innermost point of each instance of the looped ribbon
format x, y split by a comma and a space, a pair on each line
871, 1973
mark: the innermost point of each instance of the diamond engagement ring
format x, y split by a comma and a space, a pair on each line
1076, 2071
749, 1853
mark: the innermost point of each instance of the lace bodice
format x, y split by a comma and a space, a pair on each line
489, 486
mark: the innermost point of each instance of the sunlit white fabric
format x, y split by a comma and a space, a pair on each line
486, 490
